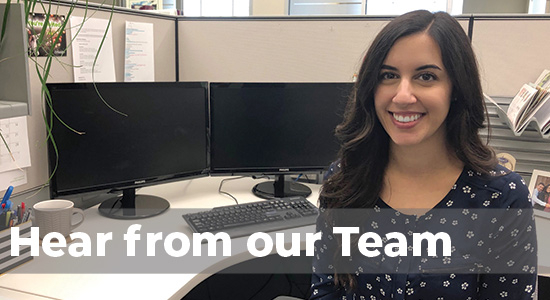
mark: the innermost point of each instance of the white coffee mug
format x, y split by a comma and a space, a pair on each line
55, 216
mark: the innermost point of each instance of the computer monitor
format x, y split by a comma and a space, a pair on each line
276, 129
139, 134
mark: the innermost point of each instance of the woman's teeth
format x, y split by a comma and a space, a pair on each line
406, 119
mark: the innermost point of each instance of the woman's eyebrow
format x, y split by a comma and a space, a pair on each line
424, 67
386, 67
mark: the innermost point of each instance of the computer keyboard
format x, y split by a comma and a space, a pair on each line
247, 218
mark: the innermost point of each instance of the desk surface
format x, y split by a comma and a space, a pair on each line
196, 193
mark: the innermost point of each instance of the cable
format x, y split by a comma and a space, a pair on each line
260, 176
304, 175
226, 193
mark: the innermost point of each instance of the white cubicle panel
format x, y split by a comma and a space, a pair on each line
62, 71
275, 49
511, 51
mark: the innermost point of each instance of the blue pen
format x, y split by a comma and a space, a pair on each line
7, 194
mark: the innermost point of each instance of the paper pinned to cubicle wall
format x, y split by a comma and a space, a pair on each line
139, 63
13, 178
14, 132
85, 47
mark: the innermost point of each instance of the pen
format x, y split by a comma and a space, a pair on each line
22, 210
2, 223
9, 204
7, 194
26, 216
8, 218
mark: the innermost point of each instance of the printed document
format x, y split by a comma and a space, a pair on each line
139, 63
14, 132
85, 48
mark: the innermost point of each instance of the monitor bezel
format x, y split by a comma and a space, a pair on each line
249, 171
134, 183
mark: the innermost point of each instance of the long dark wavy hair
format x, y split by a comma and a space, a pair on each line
364, 152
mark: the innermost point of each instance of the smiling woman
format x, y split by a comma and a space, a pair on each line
411, 153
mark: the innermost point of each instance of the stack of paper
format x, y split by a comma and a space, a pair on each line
531, 104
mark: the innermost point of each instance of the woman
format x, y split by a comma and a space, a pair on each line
544, 196
412, 159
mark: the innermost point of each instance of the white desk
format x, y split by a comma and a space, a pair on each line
196, 193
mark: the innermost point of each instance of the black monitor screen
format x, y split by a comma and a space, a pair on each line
275, 127
139, 134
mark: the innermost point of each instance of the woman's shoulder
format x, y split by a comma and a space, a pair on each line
507, 188
497, 178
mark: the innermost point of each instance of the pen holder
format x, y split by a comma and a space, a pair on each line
8, 262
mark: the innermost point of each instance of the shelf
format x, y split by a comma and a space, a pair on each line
10, 109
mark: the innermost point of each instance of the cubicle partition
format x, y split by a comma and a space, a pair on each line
276, 49
511, 52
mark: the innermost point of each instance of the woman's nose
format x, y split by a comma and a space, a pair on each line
404, 94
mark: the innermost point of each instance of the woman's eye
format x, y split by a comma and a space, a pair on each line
387, 76
427, 77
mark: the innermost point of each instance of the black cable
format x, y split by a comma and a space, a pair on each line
260, 177
226, 193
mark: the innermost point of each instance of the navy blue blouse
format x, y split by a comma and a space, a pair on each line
493, 253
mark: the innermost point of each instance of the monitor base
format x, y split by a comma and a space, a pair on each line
280, 188
133, 206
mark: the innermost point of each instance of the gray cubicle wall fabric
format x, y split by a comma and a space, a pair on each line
530, 150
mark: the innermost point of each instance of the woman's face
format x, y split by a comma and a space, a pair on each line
548, 189
413, 95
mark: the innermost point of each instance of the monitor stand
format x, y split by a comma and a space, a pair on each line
132, 206
280, 188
